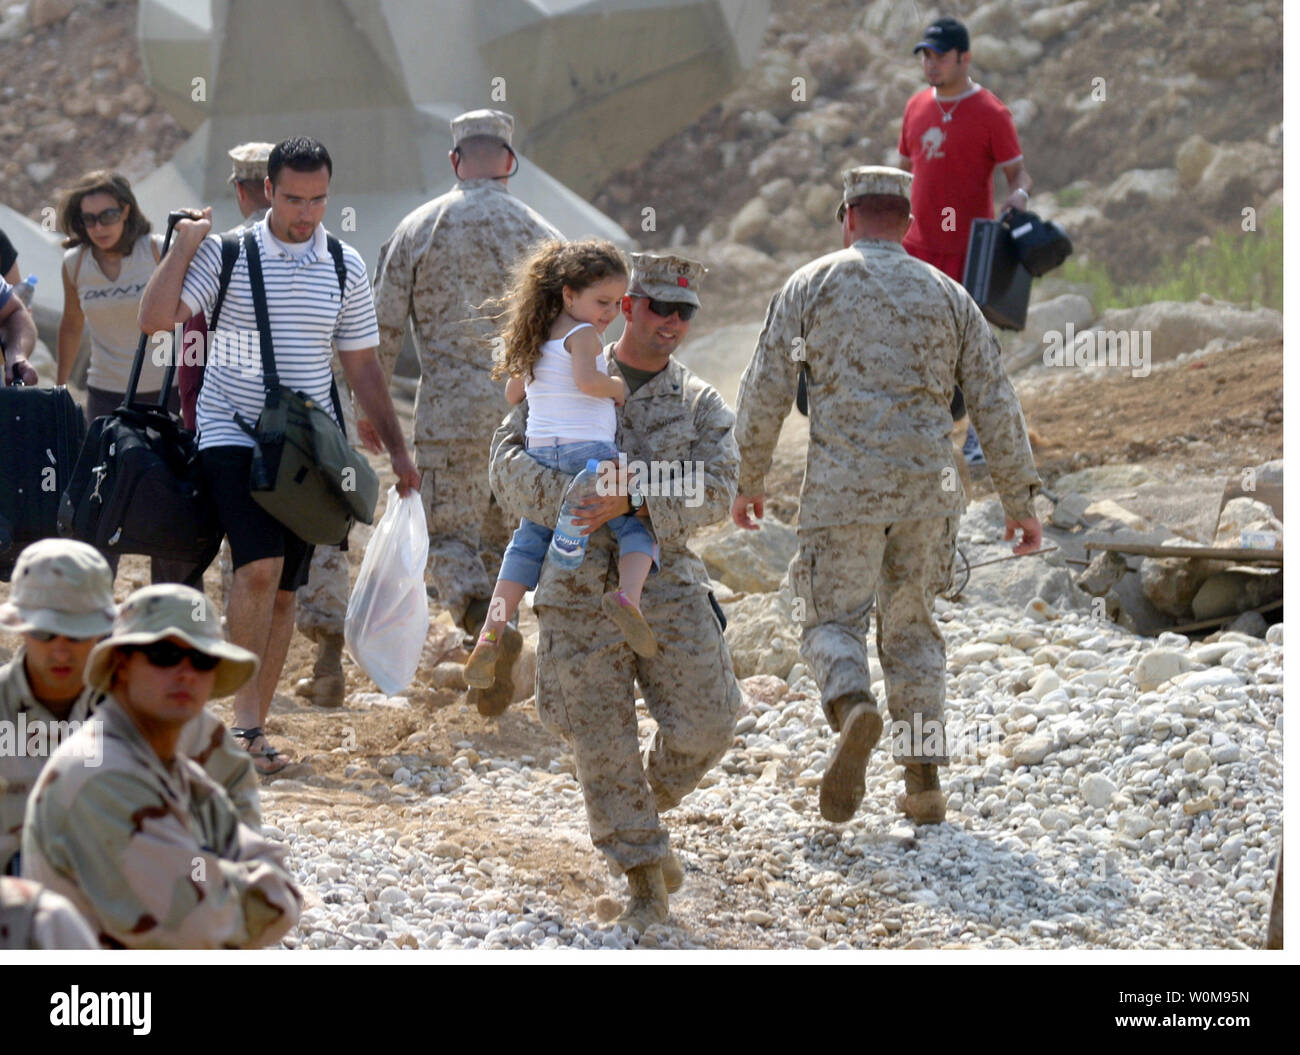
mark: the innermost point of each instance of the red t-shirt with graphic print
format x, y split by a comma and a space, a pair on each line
953, 163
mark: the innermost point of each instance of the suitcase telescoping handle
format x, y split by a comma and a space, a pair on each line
129, 399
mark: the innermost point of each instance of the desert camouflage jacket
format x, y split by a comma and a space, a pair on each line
29, 734
884, 338
441, 268
153, 856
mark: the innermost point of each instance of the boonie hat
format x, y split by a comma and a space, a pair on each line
172, 610
666, 276
944, 34
249, 160
873, 179
60, 586
495, 123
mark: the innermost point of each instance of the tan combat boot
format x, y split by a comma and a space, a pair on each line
325, 687
845, 780
923, 801
496, 699
647, 902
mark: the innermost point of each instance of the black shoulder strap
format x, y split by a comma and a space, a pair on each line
229, 254
340, 268
270, 379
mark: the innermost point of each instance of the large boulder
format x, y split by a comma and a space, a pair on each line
751, 224
1049, 317
1170, 583
748, 561
1242, 515
762, 635
771, 85
1236, 590
1185, 326
1011, 583
1139, 188
1050, 22
1005, 54
1194, 154
1239, 174
1100, 478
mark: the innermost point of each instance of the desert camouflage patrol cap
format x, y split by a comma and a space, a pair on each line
874, 179
248, 161
60, 586
665, 276
172, 610
495, 123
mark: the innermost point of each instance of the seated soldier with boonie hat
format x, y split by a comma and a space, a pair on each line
61, 602
146, 845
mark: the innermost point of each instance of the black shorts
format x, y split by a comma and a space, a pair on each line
253, 533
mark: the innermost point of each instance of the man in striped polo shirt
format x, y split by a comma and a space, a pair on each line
309, 320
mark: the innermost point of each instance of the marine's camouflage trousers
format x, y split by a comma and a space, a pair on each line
835, 576
322, 602
463, 518
586, 691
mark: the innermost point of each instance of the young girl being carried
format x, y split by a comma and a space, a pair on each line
563, 297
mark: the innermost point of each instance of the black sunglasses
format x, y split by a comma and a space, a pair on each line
665, 308
101, 219
46, 636
164, 654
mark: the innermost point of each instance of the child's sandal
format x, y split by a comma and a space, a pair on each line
629, 619
480, 668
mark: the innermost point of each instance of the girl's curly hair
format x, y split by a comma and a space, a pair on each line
536, 296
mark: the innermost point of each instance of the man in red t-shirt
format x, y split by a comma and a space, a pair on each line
954, 135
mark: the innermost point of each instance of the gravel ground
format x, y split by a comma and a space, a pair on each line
1084, 811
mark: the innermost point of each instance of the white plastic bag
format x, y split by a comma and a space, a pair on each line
388, 612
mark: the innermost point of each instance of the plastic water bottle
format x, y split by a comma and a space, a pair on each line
568, 543
25, 290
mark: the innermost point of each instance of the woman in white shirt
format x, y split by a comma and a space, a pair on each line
109, 257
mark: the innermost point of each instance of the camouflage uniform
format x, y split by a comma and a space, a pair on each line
204, 739
153, 855
441, 268
323, 600
585, 669
32, 917
883, 337
65, 587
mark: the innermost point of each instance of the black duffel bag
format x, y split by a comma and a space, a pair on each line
1040, 244
137, 486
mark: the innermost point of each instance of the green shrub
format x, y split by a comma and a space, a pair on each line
1244, 267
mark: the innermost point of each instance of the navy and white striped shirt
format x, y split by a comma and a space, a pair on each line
307, 322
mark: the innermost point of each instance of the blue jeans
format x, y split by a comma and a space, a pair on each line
523, 558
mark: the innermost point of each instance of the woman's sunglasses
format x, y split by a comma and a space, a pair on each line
101, 219
165, 655
665, 308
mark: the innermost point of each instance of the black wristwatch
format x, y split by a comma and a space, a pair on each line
635, 499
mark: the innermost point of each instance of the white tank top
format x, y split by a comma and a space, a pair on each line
111, 309
557, 408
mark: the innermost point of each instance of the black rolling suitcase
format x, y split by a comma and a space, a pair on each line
41, 432
137, 486
994, 275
